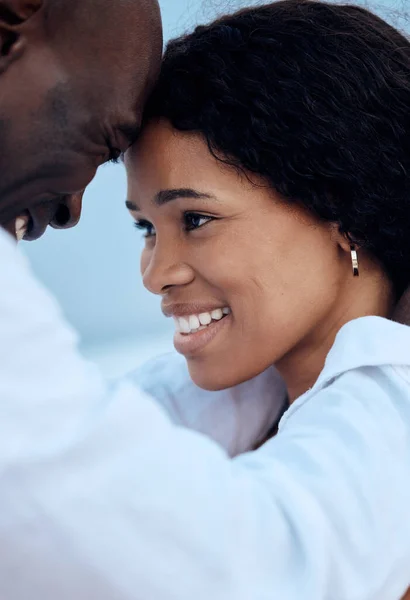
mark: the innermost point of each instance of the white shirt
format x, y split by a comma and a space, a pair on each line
103, 497
237, 418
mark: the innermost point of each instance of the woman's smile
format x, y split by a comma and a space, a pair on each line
196, 324
194, 333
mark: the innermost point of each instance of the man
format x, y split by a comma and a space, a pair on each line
74, 75
101, 496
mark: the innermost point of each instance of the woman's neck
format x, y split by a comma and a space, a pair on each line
301, 367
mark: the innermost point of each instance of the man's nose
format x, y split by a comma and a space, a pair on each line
68, 212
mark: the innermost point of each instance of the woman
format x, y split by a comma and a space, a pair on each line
272, 183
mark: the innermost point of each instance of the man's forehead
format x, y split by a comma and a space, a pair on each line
112, 31
111, 71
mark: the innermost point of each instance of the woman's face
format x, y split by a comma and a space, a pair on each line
249, 278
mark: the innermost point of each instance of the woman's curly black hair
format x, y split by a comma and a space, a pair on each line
315, 98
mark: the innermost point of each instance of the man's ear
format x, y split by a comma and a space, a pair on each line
13, 15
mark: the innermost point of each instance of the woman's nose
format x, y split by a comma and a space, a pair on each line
68, 212
161, 271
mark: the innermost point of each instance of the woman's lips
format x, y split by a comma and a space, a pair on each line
190, 344
190, 323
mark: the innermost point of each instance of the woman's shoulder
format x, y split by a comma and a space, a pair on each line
367, 371
368, 343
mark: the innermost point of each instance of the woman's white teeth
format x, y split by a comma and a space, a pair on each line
195, 323
217, 314
183, 325
21, 225
205, 318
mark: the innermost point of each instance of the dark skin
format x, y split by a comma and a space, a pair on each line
74, 80
74, 77
72, 94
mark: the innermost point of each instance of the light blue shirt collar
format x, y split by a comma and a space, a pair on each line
364, 342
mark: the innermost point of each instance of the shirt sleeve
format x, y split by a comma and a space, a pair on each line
102, 496
236, 418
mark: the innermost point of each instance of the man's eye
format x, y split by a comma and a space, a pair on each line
114, 155
145, 226
195, 220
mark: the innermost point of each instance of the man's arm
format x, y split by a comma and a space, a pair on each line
103, 497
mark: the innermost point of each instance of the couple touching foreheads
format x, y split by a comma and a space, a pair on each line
268, 165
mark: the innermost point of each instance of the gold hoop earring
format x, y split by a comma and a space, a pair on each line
355, 261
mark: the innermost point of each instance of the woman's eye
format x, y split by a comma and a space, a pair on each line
195, 221
145, 226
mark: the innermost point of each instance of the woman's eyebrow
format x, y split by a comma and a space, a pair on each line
132, 206
165, 196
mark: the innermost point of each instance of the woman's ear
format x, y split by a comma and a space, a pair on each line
346, 246
13, 15
341, 239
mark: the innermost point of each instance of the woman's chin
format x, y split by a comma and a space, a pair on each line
215, 377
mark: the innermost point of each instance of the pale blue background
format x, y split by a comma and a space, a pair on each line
94, 268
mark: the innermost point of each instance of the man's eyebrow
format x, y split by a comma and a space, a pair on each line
165, 196
131, 131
